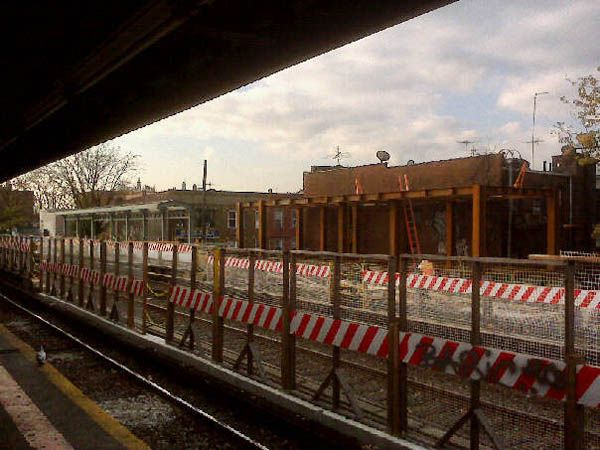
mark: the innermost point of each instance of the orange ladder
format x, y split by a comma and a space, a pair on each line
409, 219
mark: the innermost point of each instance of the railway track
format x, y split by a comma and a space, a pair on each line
233, 436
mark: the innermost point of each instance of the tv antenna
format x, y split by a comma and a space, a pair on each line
467, 142
339, 155
533, 142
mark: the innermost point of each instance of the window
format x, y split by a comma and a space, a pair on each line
256, 220
295, 218
278, 219
231, 219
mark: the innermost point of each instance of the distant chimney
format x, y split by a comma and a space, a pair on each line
194, 187
270, 191
183, 186
545, 166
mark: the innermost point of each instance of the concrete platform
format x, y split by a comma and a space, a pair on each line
41, 409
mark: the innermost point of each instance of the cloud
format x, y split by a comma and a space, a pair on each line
465, 71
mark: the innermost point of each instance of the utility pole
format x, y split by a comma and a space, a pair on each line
533, 140
204, 222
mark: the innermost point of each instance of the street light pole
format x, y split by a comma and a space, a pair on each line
533, 126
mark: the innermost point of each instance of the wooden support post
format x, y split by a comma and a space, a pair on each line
478, 244
449, 228
63, 262
170, 319
102, 274
250, 326
79, 280
341, 228
193, 271
573, 412
354, 244
145, 290
41, 252
323, 228
393, 368
393, 229
300, 228
262, 225
130, 295
287, 341
551, 223
475, 400
77, 227
239, 232
217, 320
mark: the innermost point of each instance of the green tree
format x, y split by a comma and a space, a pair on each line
584, 133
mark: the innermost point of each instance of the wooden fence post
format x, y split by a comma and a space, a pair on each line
130, 295
114, 311
48, 261
63, 262
402, 379
475, 399
218, 286
170, 319
71, 277
250, 327
336, 310
54, 288
79, 280
102, 275
288, 357
145, 289
90, 301
393, 407
573, 412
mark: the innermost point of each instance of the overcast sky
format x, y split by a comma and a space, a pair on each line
465, 71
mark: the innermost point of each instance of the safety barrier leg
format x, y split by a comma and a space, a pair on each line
90, 300
288, 362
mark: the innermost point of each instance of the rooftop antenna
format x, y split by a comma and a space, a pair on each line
382, 156
339, 155
467, 142
533, 142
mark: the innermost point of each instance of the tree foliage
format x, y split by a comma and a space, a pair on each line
82, 180
584, 134
12, 208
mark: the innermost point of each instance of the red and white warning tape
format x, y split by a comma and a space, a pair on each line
261, 315
191, 298
307, 270
506, 291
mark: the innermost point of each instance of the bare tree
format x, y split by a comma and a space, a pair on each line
82, 180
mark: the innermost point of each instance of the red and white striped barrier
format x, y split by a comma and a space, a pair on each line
306, 270
506, 291
259, 314
89, 275
137, 288
538, 376
353, 336
191, 298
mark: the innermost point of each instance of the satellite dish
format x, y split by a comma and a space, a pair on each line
382, 156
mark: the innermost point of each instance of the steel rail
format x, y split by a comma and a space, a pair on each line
140, 378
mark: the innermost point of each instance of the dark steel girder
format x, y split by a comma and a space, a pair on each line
90, 73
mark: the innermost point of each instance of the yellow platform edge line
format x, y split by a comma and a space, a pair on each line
108, 423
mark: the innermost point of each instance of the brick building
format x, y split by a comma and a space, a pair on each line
463, 206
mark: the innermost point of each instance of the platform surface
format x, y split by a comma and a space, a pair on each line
41, 409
